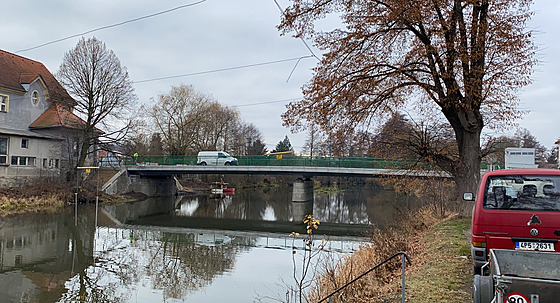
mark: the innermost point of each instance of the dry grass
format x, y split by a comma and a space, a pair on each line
12, 203
437, 249
444, 269
52, 197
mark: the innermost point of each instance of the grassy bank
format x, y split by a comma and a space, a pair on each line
53, 197
33, 198
441, 268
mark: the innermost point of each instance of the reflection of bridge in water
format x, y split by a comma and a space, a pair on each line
161, 212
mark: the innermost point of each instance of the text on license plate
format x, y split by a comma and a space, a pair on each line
542, 246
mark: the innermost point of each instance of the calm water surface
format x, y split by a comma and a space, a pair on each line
47, 258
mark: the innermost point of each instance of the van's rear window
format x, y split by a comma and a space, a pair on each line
523, 192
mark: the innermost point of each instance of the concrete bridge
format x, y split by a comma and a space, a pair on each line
302, 171
158, 180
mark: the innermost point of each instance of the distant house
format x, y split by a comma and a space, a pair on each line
558, 143
39, 134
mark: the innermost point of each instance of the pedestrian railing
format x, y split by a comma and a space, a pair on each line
404, 258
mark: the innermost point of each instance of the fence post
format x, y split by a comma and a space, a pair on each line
403, 270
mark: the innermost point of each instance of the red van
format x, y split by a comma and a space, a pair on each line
515, 209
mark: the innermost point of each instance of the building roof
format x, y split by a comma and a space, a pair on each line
24, 133
58, 116
16, 71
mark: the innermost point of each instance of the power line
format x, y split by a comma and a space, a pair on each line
224, 69
267, 102
110, 26
301, 38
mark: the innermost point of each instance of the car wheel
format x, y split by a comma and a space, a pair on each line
203, 163
227, 163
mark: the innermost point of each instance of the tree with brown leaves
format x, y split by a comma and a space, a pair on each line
463, 60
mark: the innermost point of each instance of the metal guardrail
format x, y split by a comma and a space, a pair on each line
346, 162
404, 258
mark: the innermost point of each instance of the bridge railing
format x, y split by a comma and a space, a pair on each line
161, 160
346, 162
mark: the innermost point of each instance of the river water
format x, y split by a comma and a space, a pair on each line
182, 249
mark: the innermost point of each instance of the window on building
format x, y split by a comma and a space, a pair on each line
51, 163
35, 98
25, 143
3, 103
23, 161
3, 150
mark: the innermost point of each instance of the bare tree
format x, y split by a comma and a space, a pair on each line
178, 117
94, 76
219, 125
189, 121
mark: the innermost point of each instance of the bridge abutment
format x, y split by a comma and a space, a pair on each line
302, 198
151, 186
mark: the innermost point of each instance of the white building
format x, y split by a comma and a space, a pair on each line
517, 157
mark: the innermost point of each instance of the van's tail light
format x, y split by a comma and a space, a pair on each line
479, 241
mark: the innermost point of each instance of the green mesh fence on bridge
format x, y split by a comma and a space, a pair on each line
162, 160
347, 162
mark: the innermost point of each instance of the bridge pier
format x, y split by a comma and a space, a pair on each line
302, 199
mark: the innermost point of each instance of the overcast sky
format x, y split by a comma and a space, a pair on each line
230, 50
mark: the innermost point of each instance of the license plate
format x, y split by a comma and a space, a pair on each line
541, 246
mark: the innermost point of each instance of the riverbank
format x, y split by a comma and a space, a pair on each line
441, 268
54, 197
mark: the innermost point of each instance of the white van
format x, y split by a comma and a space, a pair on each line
215, 158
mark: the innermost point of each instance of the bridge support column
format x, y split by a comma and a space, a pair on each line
302, 199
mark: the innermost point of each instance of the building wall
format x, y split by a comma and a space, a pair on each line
21, 110
29, 156
46, 161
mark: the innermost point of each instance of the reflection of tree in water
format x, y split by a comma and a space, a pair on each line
170, 262
340, 208
386, 206
179, 266
108, 265
89, 283
368, 203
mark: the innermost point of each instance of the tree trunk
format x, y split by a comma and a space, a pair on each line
467, 174
83, 152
